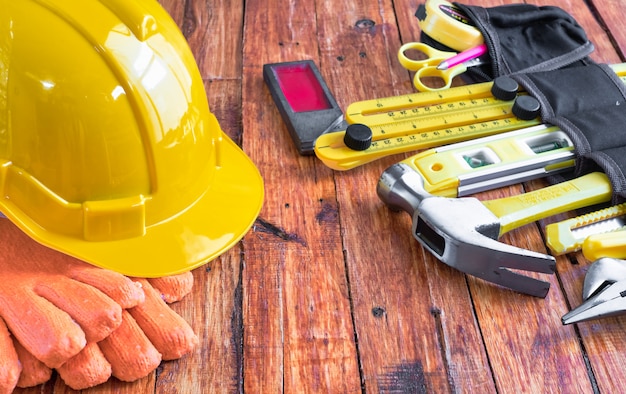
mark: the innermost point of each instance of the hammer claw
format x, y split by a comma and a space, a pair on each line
463, 232
493, 261
520, 283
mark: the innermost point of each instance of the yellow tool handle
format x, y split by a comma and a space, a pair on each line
427, 78
619, 69
568, 235
516, 211
491, 161
611, 244
560, 239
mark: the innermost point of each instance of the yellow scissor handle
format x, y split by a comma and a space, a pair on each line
433, 56
422, 75
427, 68
516, 211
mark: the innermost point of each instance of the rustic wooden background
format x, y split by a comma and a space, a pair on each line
329, 292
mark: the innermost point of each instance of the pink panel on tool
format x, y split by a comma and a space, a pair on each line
301, 89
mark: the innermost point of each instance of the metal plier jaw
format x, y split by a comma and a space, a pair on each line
604, 292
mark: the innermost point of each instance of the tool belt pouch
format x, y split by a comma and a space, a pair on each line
589, 104
524, 38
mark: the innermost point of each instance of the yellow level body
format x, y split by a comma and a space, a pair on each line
481, 164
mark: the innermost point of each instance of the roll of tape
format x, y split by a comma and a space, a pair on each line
447, 24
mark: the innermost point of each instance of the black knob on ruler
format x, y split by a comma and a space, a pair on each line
526, 107
358, 137
504, 88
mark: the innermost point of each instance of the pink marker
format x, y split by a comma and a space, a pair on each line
463, 57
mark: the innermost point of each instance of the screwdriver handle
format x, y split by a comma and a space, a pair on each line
611, 245
516, 211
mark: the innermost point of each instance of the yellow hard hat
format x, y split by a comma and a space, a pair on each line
108, 150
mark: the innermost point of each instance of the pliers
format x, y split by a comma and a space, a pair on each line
604, 292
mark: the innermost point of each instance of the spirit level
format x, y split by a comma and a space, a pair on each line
469, 167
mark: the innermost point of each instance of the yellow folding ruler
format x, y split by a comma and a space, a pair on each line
421, 120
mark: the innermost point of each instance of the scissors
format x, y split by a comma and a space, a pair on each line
429, 67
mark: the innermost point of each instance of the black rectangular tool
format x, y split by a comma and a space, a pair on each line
304, 101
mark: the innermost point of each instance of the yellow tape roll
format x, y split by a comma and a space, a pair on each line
444, 22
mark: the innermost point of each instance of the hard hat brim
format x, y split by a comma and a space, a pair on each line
212, 225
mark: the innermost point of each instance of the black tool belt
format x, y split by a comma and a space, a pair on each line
524, 38
547, 52
589, 104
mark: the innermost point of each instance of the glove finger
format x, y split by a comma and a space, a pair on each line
97, 314
87, 369
10, 367
173, 288
118, 287
34, 372
129, 351
168, 331
47, 332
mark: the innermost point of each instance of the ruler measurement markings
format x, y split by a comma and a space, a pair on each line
439, 121
401, 114
375, 111
342, 157
444, 136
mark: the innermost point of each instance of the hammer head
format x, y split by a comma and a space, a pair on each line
463, 233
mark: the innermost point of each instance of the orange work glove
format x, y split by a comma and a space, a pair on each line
52, 303
149, 333
33, 370
126, 344
10, 367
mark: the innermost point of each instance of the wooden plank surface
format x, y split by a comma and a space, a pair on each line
329, 292
603, 340
295, 286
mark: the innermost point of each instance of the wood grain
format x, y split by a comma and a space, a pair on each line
329, 291
298, 327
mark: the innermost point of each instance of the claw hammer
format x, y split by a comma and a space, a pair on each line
464, 232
